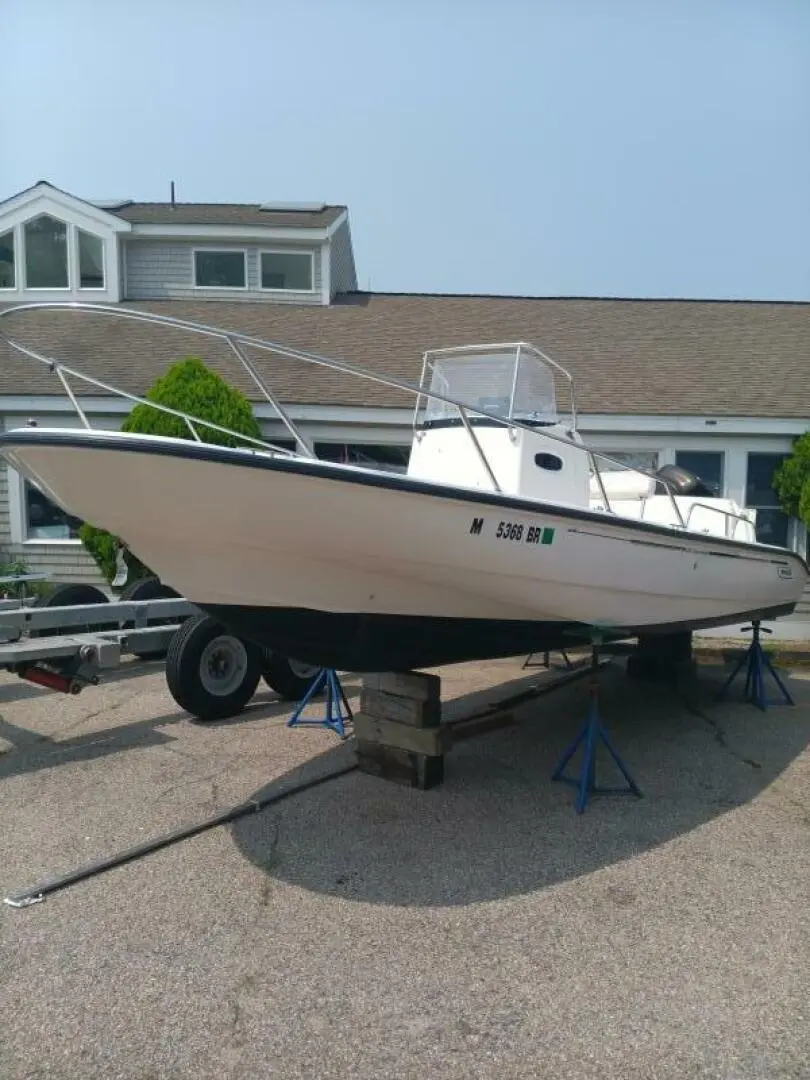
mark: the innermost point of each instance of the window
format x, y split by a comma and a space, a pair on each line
772, 522
708, 465
91, 260
220, 269
388, 457
44, 520
290, 271
633, 459
46, 261
7, 278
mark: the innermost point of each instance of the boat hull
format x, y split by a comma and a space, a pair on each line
362, 570
363, 642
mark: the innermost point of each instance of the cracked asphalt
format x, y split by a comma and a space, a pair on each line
361, 929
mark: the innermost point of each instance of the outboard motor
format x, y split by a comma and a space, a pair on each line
682, 482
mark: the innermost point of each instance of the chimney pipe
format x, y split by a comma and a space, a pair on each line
171, 189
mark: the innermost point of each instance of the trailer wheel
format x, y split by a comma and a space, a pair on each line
211, 673
149, 588
67, 595
288, 677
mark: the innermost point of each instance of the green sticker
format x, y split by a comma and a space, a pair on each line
548, 536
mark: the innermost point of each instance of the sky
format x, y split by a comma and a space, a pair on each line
510, 147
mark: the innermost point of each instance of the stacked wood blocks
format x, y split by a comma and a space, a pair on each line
398, 729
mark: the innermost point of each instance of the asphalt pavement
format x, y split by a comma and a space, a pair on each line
361, 929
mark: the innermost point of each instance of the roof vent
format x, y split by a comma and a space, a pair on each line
307, 207
111, 204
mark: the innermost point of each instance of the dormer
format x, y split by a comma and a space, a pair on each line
54, 246
295, 253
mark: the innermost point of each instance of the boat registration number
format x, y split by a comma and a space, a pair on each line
516, 532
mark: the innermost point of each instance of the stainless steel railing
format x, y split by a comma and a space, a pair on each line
239, 342
729, 515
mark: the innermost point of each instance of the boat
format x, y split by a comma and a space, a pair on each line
506, 535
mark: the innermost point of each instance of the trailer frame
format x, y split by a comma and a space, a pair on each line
70, 661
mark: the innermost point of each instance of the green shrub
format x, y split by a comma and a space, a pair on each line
791, 480
14, 566
190, 387
102, 546
11, 566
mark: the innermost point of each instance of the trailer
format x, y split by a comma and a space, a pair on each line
65, 641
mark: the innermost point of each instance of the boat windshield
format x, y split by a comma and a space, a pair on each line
512, 381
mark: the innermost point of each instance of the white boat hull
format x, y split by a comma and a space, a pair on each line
339, 564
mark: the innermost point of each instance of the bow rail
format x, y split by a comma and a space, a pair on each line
239, 342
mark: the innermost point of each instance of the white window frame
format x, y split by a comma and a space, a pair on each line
289, 251
793, 535
15, 233
90, 288
722, 454
73, 214
70, 246
18, 518
220, 251
74, 284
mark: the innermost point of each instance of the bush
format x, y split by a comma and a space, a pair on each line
103, 546
190, 387
791, 480
14, 566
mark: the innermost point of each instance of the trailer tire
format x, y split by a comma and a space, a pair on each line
149, 588
210, 672
66, 595
289, 678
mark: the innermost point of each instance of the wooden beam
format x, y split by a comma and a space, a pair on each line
400, 766
431, 741
418, 685
405, 710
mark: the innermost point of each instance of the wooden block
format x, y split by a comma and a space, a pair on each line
409, 684
405, 710
400, 766
430, 741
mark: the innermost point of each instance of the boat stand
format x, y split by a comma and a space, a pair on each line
592, 733
756, 662
335, 719
546, 662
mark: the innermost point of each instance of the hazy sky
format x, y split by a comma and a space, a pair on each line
535, 147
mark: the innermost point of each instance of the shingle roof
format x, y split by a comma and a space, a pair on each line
157, 213
627, 356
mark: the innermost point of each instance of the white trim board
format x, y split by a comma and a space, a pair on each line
228, 233
710, 426
44, 199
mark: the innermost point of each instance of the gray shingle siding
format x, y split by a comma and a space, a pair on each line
68, 563
164, 269
344, 274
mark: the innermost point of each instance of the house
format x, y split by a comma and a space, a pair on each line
718, 387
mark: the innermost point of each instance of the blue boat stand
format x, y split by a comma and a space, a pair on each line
334, 719
756, 662
592, 733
